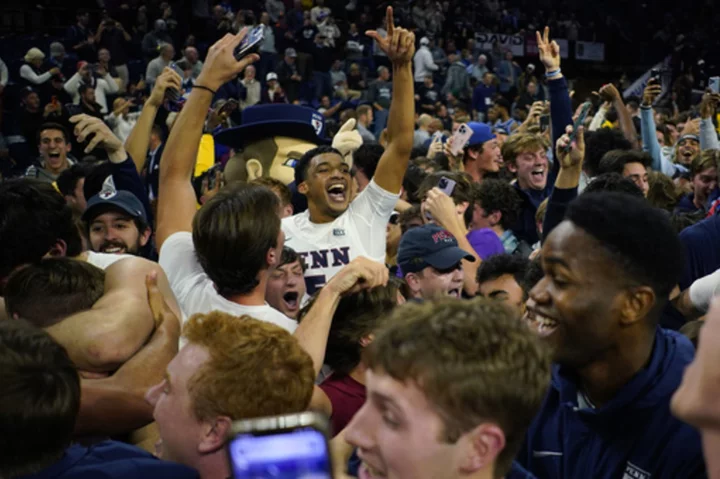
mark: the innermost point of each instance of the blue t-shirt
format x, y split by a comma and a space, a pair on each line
112, 459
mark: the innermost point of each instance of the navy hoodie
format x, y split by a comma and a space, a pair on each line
632, 436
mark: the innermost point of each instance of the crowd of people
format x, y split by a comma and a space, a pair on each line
468, 269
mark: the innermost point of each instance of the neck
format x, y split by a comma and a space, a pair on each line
504, 116
56, 171
711, 446
316, 216
256, 297
358, 374
523, 184
602, 379
213, 466
499, 230
475, 172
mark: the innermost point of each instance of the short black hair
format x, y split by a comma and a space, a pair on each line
614, 161
367, 157
53, 126
501, 264
289, 255
304, 162
534, 274
83, 88
39, 399
33, 217
613, 182
638, 237
68, 179
502, 103
599, 142
414, 176
497, 195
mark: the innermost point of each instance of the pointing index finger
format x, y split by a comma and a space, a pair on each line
390, 22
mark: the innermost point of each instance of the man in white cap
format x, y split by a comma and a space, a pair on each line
273, 92
424, 64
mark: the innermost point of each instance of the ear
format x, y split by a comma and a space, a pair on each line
462, 207
145, 236
303, 188
215, 435
68, 147
288, 210
482, 447
254, 169
413, 283
512, 167
366, 340
495, 217
636, 305
272, 258
59, 249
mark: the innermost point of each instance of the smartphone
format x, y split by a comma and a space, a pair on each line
544, 123
72, 109
714, 84
282, 447
655, 75
580, 121
460, 138
251, 42
229, 106
446, 185
210, 174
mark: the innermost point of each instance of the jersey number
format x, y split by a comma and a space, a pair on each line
314, 283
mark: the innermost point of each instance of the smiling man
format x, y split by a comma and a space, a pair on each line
54, 146
526, 156
337, 228
448, 395
431, 261
609, 268
286, 285
116, 222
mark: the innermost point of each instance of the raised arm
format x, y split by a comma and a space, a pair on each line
560, 105
177, 203
119, 323
312, 333
610, 93
139, 139
570, 158
399, 45
647, 120
708, 135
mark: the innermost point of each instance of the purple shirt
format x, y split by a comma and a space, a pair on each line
485, 242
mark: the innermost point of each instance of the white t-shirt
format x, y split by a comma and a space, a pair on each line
104, 260
196, 292
360, 231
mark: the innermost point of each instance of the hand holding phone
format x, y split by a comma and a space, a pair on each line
460, 138
251, 43
714, 84
579, 121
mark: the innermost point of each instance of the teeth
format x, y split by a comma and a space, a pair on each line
336, 189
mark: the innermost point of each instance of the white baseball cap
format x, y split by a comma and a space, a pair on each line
271, 76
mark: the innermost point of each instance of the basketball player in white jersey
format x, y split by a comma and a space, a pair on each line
334, 231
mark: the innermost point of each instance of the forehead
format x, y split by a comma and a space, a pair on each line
51, 134
187, 361
505, 282
712, 171
532, 151
406, 395
333, 159
578, 250
112, 216
293, 265
634, 167
688, 142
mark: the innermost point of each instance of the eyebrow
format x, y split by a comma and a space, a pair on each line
386, 400
496, 293
556, 261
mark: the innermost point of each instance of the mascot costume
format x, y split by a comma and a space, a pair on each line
272, 138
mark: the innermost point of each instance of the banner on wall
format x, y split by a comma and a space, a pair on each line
514, 43
637, 88
590, 51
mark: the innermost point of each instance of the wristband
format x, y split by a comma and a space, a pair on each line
553, 73
202, 87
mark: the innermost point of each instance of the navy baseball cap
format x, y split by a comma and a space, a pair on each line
429, 245
481, 133
111, 198
266, 121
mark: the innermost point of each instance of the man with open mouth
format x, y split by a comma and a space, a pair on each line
431, 261
451, 389
609, 269
54, 146
286, 285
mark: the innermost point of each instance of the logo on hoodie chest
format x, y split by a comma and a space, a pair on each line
634, 472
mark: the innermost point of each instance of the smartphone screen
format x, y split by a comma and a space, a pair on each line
544, 123
295, 454
714, 84
250, 43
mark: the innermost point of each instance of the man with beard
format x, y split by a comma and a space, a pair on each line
116, 221
607, 413
337, 229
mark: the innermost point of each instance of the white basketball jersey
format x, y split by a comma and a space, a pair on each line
360, 231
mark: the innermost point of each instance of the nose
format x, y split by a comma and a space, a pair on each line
111, 234
458, 275
152, 394
357, 433
539, 292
